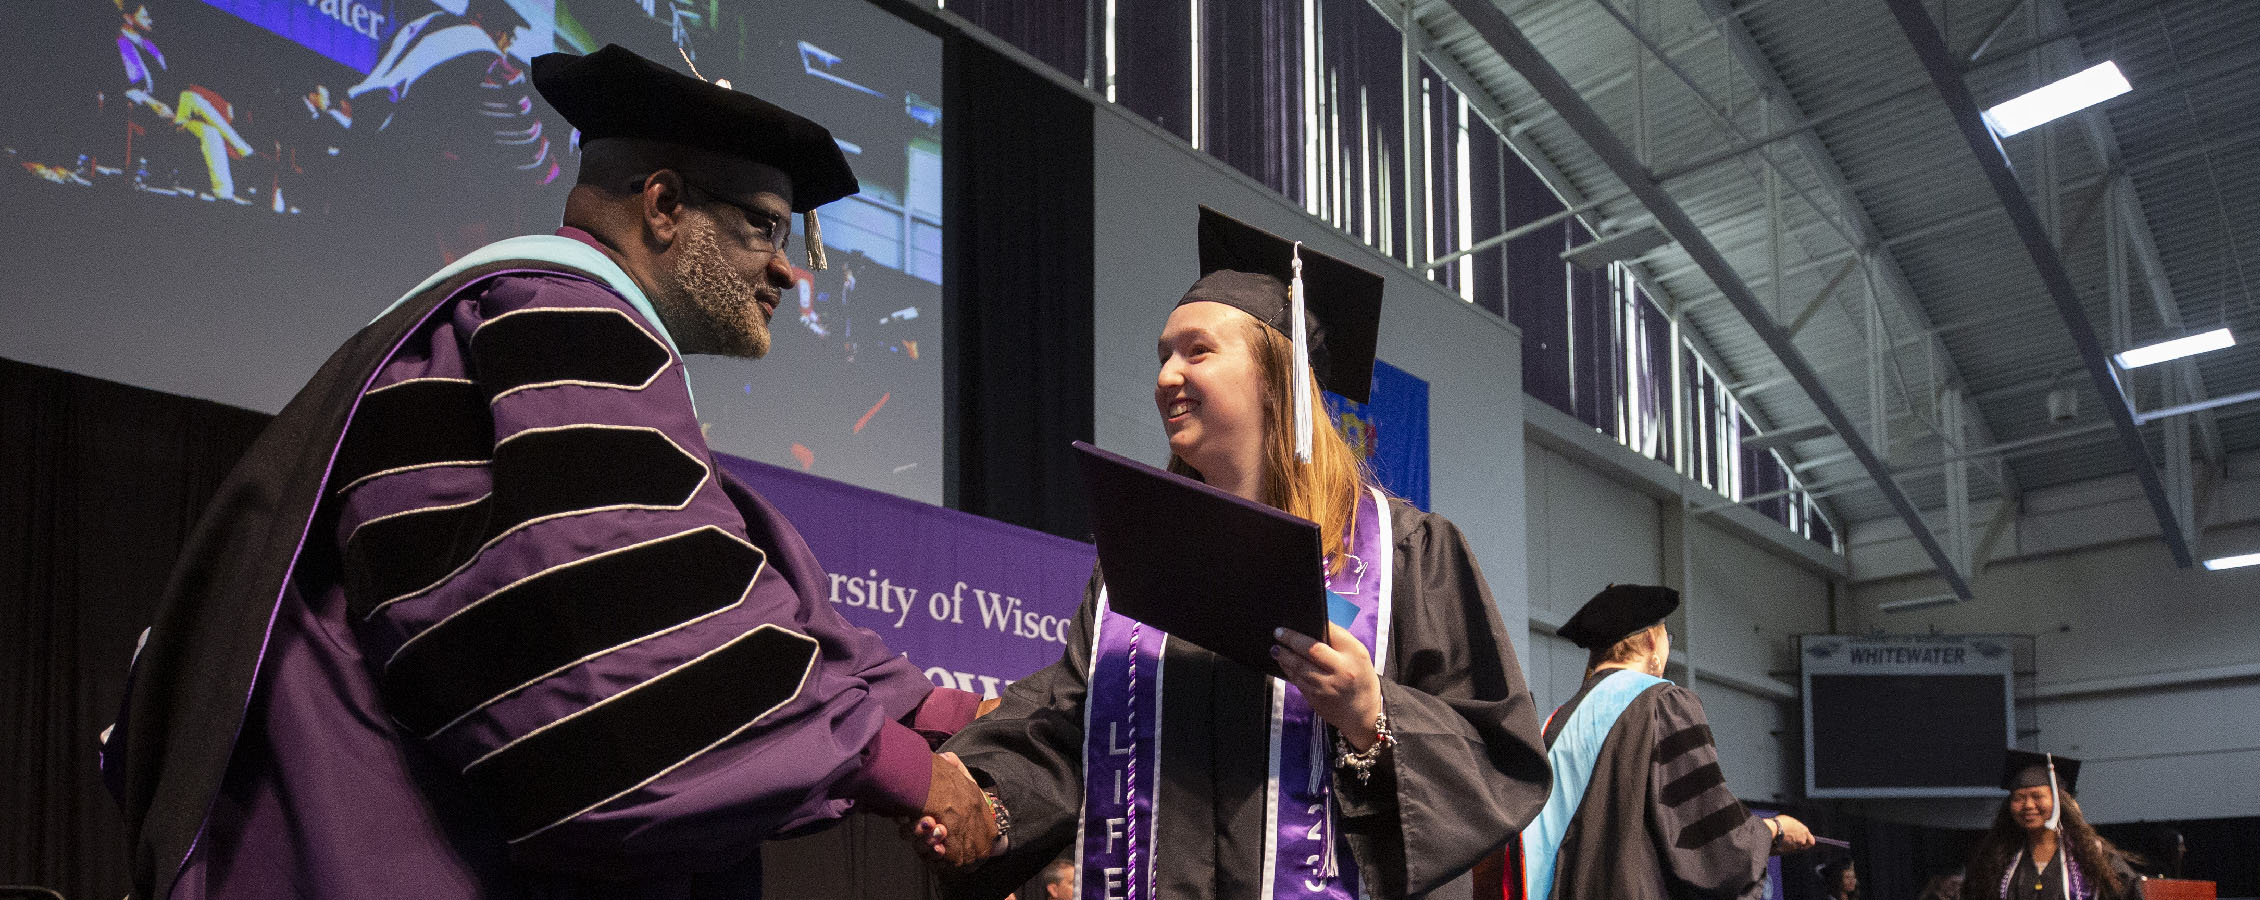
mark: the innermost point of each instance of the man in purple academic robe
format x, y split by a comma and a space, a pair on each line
478, 616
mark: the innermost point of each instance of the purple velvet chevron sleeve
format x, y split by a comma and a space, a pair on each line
564, 602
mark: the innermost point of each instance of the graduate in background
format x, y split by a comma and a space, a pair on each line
1840, 879
1640, 809
479, 617
1397, 752
2020, 858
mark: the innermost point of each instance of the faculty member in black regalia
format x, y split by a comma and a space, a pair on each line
1640, 809
1397, 752
2021, 858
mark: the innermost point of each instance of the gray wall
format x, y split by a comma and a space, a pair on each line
2146, 671
1599, 514
1149, 185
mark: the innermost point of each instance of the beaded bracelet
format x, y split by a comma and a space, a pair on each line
1362, 762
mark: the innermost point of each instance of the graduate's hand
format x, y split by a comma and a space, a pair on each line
926, 837
1337, 678
988, 706
957, 827
1791, 835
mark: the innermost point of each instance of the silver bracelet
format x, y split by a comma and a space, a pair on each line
1362, 762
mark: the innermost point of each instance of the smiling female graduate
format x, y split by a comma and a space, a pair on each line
2040, 846
1396, 752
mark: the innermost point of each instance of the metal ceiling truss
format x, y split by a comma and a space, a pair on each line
1493, 26
1945, 71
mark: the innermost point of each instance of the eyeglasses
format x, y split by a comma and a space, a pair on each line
774, 231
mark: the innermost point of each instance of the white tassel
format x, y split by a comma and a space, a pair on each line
1319, 761
1304, 424
2055, 799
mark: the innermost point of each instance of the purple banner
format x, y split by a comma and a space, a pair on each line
348, 31
975, 603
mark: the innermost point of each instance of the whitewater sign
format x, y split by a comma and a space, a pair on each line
1906, 655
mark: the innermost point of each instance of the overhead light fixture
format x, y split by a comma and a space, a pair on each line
2176, 349
2067, 96
1618, 247
1914, 603
2233, 562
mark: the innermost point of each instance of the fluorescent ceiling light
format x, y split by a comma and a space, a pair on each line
2176, 349
2233, 562
2065, 97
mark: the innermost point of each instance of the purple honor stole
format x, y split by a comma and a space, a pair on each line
1304, 856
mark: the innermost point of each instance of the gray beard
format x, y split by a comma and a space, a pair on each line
722, 311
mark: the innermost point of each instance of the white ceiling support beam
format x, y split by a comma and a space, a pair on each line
1872, 252
2195, 406
1905, 342
1526, 229
1688, 167
2122, 207
1848, 219
2008, 11
2135, 229
1945, 72
1980, 61
1878, 337
1695, 37
1935, 228
1579, 205
1812, 306
1415, 141
1509, 42
2016, 447
1957, 474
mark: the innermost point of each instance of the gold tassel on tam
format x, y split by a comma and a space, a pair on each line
816, 259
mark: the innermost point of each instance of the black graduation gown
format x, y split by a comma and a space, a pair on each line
1466, 776
1657, 820
2030, 882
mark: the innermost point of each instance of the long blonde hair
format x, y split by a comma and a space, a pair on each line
1325, 491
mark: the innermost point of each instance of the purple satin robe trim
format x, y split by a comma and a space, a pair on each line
1308, 845
1121, 761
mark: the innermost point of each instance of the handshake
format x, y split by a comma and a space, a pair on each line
958, 825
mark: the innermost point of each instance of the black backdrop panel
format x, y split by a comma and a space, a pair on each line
1018, 282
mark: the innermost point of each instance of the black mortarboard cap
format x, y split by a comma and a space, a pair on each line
615, 93
1247, 268
2024, 768
1618, 612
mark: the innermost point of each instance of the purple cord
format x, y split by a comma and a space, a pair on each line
1130, 809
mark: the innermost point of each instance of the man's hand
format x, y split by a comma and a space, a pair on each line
1336, 677
1790, 835
988, 706
957, 827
